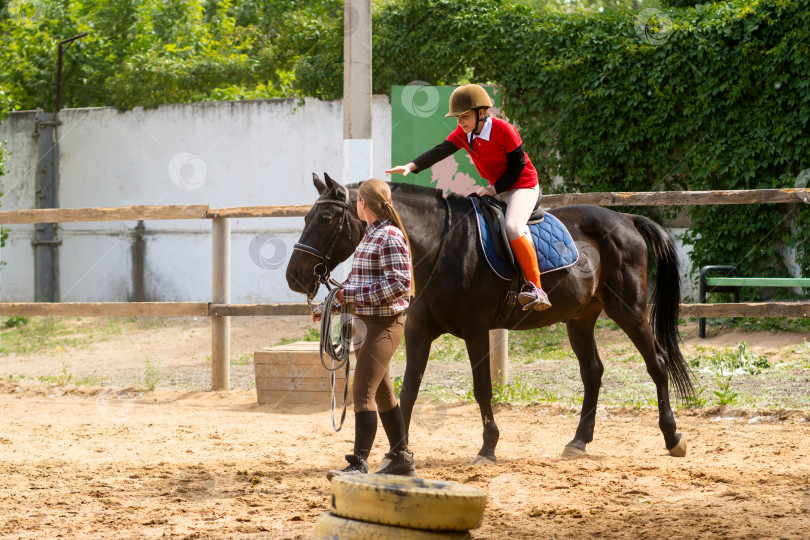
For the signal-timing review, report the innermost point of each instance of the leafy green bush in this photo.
(714, 97)
(15, 321)
(733, 359)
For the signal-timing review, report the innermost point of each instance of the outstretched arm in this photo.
(426, 160)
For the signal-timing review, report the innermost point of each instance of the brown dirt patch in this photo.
(113, 461)
(217, 465)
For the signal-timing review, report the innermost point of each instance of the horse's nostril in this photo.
(296, 281)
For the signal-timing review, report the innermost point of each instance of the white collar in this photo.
(485, 131)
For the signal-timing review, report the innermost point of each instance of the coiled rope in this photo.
(336, 349)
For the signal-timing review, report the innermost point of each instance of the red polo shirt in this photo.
(489, 150)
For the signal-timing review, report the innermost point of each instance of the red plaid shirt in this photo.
(380, 280)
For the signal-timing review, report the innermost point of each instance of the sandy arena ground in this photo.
(96, 462)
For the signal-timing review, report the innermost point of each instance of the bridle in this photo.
(321, 269)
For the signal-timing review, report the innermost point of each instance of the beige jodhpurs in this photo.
(519, 206)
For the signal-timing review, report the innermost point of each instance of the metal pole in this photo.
(499, 356)
(46, 239)
(357, 142)
(221, 293)
(63, 46)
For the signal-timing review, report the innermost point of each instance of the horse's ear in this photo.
(319, 185)
(329, 182)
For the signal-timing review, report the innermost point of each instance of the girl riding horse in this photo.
(497, 151)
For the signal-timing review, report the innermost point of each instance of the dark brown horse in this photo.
(458, 294)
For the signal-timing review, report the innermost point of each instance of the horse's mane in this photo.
(413, 189)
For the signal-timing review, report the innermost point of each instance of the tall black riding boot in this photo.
(365, 429)
(400, 459)
(394, 426)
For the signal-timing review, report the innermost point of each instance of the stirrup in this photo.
(534, 298)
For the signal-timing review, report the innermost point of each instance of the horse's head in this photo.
(332, 231)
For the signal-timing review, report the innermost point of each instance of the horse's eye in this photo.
(324, 219)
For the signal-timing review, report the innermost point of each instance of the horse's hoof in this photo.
(679, 450)
(484, 460)
(572, 452)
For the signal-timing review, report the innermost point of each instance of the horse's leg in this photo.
(478, 350)
(418, 338)
(580, 335)
(634, 323)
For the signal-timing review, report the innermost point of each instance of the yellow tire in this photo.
(402, 501)
(331, 527)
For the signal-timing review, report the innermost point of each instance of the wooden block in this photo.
(317, 399)
(307, 384)
(300, 353)
(296, 371)
(292, 374)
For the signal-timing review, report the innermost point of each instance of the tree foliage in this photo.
(716, 97)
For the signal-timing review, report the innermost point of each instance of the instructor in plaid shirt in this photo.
(380, 280)
(378, 287)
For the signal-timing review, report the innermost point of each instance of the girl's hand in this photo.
(339, 296)
(485, 191)
(404, 170)
(317, 312)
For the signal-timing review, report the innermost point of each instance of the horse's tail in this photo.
(666, 300)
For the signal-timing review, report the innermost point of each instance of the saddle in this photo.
(493, 211)
(555, 246)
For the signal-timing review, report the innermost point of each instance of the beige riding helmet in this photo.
(466, 98)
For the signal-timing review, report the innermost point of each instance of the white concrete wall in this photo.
(17, 186)
(244, 153)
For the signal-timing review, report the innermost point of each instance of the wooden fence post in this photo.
(499, 356)
(221, 289)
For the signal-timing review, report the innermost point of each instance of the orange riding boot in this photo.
(533, 297)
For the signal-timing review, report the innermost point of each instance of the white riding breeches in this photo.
(519, 206)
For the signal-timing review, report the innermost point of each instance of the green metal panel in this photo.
(757, 282)
(418, 124)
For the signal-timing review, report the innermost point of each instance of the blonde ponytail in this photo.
(377, 195)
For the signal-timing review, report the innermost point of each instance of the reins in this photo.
(337, 350)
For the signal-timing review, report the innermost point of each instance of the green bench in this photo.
(732, 283)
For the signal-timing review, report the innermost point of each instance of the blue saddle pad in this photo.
(555, 247)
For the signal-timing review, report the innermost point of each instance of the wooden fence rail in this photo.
(220, 310)
(651, 198)
(204, 309)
